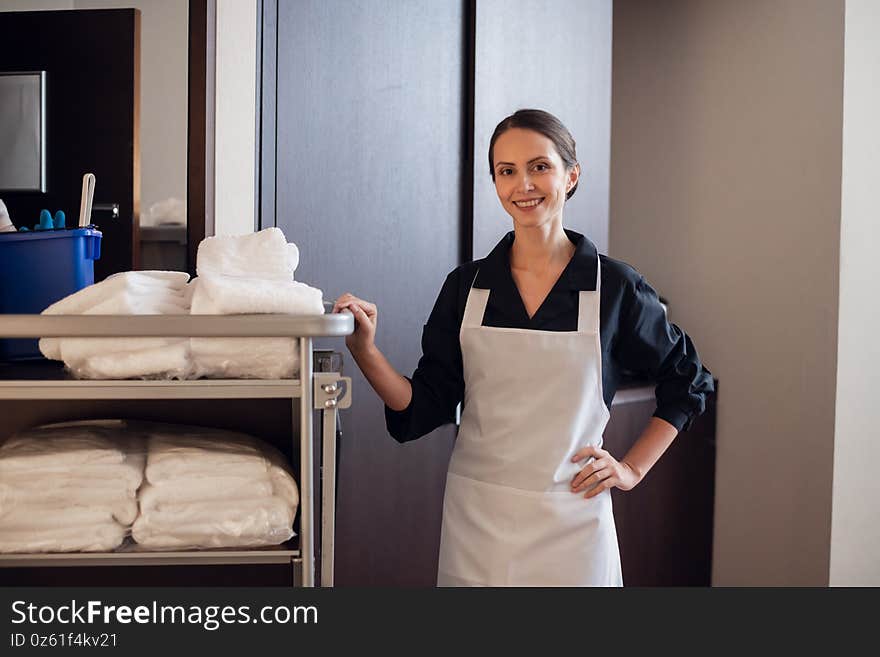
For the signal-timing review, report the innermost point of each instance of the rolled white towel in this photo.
(263, 254)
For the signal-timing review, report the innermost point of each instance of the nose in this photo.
(525, 183)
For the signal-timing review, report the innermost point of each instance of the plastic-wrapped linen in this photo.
(69, 487)
(208, 488)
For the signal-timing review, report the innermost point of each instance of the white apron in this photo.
(532, 399)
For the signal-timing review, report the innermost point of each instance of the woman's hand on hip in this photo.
(365, 317)
(602, 473)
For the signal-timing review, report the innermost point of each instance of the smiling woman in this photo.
(528, 492)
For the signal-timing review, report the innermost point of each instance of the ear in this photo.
(573, 175)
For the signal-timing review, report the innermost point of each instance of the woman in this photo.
(533, 339)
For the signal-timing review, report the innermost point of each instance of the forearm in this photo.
(394, 389)
(649, 447)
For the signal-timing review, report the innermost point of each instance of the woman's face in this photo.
(530, 177)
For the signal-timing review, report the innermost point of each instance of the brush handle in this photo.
(85, 204)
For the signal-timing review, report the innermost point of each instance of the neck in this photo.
(537, 248)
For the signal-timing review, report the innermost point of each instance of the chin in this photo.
(529, 221)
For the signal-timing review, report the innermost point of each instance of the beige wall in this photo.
(235, 117)
(855, 526)
(725, 193)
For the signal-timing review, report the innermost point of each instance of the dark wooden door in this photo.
(367, 182)
(91, 59)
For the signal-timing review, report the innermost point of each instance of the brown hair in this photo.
(544, 123)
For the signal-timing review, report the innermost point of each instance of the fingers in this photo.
(588, 451)
(359, 315)
(346, 301)
(602, 487)
(591, 474)
(342, 302)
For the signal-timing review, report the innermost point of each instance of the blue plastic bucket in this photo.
(39, 268)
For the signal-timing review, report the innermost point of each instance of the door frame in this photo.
(202, 66)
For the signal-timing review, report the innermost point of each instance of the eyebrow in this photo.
(534, 159)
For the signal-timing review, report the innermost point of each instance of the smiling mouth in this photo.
(531, 203)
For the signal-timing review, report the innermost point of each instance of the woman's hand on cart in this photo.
(365, 315)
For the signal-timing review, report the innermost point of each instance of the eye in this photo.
(541, 167)
(506, 171)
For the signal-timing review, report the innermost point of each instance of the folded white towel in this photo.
(284, 485)
(121, 503)
(203, 453)
(74, 350)
(263, 254)
(227, 295)
(250, 514)
(21, 518)
(138, 282)
(52, 457)
(103, 481)
(293, 256)
(244, 358)
(122, 358)
(171, 361)
(131, 292)
(238, 358)
(210, 488)
(219, 524)
(33, 449)
(200, 489)
(101, 537)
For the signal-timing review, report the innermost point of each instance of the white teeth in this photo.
(528, 204)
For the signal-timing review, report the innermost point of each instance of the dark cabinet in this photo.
(664, 525)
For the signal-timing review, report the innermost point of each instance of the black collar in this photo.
(579, 274)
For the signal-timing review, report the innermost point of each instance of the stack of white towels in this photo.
(246, 274)
(69, 487)
(125, 293)
(249, 274)
(210, 488)
(86, 486)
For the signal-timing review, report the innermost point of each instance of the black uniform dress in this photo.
(634, 332)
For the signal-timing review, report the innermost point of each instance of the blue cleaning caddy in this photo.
(39, 268)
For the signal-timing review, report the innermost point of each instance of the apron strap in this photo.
(475, 307)
(588, 305)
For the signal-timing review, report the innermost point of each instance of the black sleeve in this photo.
(651, 346)
(438, 382)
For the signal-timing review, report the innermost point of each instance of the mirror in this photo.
(23, 131)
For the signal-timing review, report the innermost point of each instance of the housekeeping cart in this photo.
(39, 392)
